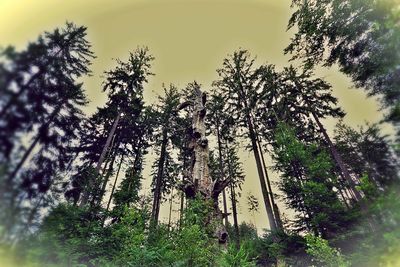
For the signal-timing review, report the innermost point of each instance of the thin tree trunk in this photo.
(340, 190)
(106, 180)
(160, 172)
(34, 143)
(106, 176)
(221, 169)
(93, 188)
(271, 194)
(338, 159)
(305, 209)
(108, 142)
(182, 193)
(170, 208)
(235, 218)
(33, 212)
(260, 171)
(85, 197)
(114, 185)
(234, 207)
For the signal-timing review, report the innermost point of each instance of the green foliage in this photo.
(236, 258)
(323, 253)
(70, 235)
(308, 180)
(366, 151)
(361, 36)
(367, 187)
(379, 247)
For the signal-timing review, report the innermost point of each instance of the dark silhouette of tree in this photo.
(362, 37)
(119, 120)
(366, 151)
(239, 83)
(42, 108)
(165, 169)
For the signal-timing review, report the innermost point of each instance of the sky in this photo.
(189, 39)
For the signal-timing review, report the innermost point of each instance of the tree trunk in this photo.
(307, 214)
(160, 172)
(106, 180)
(113, 188)
(221, 169)
(170, 208)
(234, 207)
(183, 180)
(33, 212)
(106, 176)
(338, 159)
(85, 197)
(200, 182)
(34, 143)
(260, 171)
(108, 142)
(235, 218)
(275, 208)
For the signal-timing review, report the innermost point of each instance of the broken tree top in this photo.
(200, 180)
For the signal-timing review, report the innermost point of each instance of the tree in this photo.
(221, 124)
(253, 206)
(46, 111)
(165, 171)
(238, 85)
(119, 119)
(236, 176)
(200, 183)
(367, 151)
(301, 101)
(37, 79)
(362, 37)
(308, 183)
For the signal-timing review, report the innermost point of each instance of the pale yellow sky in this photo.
(189, 40)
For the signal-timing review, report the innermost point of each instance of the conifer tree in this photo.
(362, 37)
(42, 107)
(165, 171)
(120, 121)
(308, 183)
(239, 84)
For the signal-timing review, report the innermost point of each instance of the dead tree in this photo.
(198, 181)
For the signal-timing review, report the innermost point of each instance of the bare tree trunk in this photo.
(108, 142)
(105, 181)
(34, 143)
(275, 208)
(113, 188)
(235, 218)
(85, 197)
(234, 207)
(201, 182)
(221, 169)
(338, 159)
(182, 206)
(160, 172)
(260, 171)
(170, 208)
(115, 182)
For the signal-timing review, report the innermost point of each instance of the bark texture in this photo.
(199, 181)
